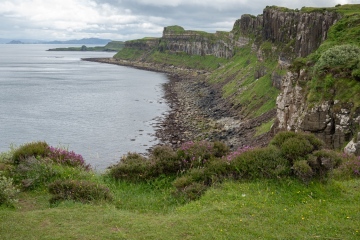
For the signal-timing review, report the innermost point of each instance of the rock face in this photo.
(333, 122)
(197, 43)
(143, 44)
(304, 32)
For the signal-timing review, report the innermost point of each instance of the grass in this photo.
(266, 209)
(129, 54)
(233, 207)
(187, 61)
(264, 128)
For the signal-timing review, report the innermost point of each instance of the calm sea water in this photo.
(100, 111)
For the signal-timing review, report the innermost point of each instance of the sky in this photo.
(128, 19)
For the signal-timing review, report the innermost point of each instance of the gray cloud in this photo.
(128, 19)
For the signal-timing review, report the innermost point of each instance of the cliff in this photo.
(301, 32)
(264, 70)
(176, 39)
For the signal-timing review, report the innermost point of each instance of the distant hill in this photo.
(15, 42)
(82, 41)
(97, 41)
(113, 46)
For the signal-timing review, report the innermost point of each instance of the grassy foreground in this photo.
(261, 209)
(277, 192)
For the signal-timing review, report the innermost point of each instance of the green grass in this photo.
(187, 61)
(264, 128)
(277, 209)
(231, 208)
(129, 54)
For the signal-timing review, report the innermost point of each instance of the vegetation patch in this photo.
(264, 128)
(83, 191)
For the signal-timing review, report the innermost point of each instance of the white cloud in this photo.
(125, 19)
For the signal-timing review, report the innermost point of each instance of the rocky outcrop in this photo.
(143, 44)
(197, 43)
(332, 121)
(303, 32)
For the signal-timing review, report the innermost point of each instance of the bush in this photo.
(7, 157)
(341, 58)
(260, 163)
(82, 191)
(220, 149)
(7, 191)
(237, 152)
(356, 74)
(196, 154)
(303, 171)
(164, 161)
(349, 168)
(324, 161)
(34, 149)
(281, 137)
(192, 191)
(296, 148)
(132, 167)
(68, 158)
(296, 145)
(32, 173)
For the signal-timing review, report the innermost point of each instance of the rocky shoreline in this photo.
(197, 112)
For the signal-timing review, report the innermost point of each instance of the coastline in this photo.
(197, 111)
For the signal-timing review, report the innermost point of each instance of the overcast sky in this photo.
(128, 19)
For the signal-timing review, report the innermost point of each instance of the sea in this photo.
(98, 110)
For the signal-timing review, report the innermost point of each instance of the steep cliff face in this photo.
(302, 32)
(143, 44)
(332, 121)
(196, 43)
(295, 34)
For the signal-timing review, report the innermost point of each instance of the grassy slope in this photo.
(345, 31)
(239, 85)
(264, 209)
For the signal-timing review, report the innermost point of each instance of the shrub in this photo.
(260, 163)
(238, 152)
(302, 170)
(281, 137)
(356, 74)
(32, 173)
(220, 149)
(192, 191)
(196, 154)
(7, 157)
(132, 167)
(34, 149)
(82, 191)
(295, 148)
(65, 157)
(7, 191)
(338, 59)
(296, 145)
(323, 161)
(164, 161)
(349, 168)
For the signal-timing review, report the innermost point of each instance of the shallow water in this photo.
(100, 111)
